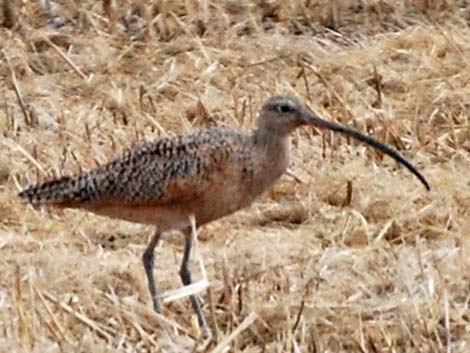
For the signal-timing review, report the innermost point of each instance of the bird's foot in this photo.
(156, 305)
(206, 333)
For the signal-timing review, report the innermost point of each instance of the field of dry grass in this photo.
(304, 269)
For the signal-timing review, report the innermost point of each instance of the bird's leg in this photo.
(185, 274)
(148, 259)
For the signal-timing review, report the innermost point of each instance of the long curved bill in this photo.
(311, 119)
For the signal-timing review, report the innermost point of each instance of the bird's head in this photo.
(280, 115)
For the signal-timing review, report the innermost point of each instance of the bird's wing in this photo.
(167, 171)
(174, 170)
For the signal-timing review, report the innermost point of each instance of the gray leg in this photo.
(185, 274)
(148, 259)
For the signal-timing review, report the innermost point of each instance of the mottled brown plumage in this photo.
(210, 174)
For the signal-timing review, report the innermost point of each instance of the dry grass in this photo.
(386, 272)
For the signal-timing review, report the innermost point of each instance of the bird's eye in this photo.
(284, 108)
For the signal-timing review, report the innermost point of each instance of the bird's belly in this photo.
(224, 200)
(166, 217)
(217, 208)
(177, 216)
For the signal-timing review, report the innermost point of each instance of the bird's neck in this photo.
(273, 150)
(269, 137)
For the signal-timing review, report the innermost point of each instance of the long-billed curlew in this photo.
(208, 175)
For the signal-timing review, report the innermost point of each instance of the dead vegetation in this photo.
(346, 254)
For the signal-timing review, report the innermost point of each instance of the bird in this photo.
(206, 175)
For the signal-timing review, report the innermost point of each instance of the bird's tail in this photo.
(62, 192)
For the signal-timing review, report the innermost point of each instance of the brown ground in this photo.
(387, 272)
